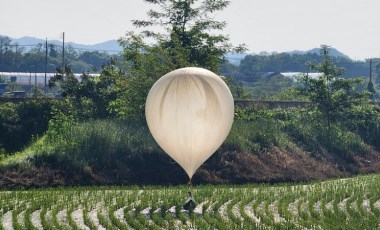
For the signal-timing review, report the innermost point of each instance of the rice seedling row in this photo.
(352, 203)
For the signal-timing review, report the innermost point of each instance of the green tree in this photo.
(275, 87)
(5, 43)
(94, 58)
(9, 125)
(333, 96)
(91, 95)
(189, 39)
(142, 69)
(19, 122)
(65, 79)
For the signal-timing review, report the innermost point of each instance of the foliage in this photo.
(142, 70)
(9, 125)
(112, 148)
(91, 95)
(238, 90)
(105, 151)
(67, 82)
(274, 87)
(303, 128)
(334, 97)
(189, 25)
(19, 123)
(188, 42)
(228, 69)
(132, 93)
(98, 143)
(37, 92)
(60, 126)
(365, 121)
(253, 65)
(257, 136)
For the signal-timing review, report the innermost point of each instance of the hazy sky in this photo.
(351, 26)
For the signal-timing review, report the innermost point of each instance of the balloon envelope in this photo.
(189, 112)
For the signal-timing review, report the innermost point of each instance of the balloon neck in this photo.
(190, 183)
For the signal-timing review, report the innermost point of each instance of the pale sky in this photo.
(351, 26)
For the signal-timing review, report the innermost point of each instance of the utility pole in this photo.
(370, 70)
(63, 51)
(370, 86)
(46, 58)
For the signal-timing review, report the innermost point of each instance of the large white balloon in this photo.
(190, 112)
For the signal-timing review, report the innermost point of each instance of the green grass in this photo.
(98, 144)
(225, 206)
(101, 143)
(23, 157)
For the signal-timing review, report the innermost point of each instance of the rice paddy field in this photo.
(352, 203)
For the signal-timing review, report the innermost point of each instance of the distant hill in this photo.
(236, 58)
(334, 52)
(110, 46)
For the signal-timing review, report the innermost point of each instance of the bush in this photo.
(364, 120)
(307, 131)
(255, 131)
(117, 149)
(100, 143)
(253, 136)
(20, 122)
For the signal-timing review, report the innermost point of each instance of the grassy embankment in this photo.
(263, 146)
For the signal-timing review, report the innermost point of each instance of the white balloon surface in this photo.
(189, 112)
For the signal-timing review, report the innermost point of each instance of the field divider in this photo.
(143, 216)
(7, 221)
(223, 210)
(104, 220)
(87, 220)
(249, 213)
(304, 217)
(60, 219)
(35, 219)
(273, 208)
(77, 217)
(377, 205)
(93, 217)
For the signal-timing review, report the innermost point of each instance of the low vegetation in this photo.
(352, 203)
(263, 146)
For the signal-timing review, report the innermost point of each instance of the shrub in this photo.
(98, 143)
(364, 120)
(255, 131)
(306, 130)
(20, 122)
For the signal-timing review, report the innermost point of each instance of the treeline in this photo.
(252, 67)
(15, 58)
(259, 76)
